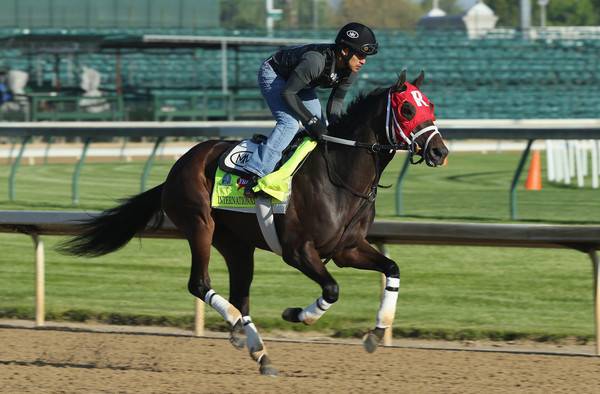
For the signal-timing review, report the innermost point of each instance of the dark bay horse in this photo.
(329, 212)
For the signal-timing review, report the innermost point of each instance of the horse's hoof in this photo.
(237, 336)
(370, 342)
(266, 368)
(291, 315)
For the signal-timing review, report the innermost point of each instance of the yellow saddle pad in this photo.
(228, 192)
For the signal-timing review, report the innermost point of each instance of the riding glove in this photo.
(315, 128)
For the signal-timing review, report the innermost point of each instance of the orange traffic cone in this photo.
(534, 177)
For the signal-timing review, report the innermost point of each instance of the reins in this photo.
(363, 145)
(335, 179)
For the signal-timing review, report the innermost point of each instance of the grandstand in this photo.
(549, 73)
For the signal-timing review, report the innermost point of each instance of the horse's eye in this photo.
(408, 111)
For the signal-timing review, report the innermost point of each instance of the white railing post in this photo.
(595, 163)
(40, 311)
(558, 161)
(579, 163)
(596, 270)
(199, 317)
(550, 161)
(571, 153)
(566, 167)
(584, 154)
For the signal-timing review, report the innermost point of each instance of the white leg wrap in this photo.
(387, 309)
(221, 305)
(256, 347)
(313, 312)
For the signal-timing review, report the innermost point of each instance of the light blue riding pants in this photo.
(264, 159)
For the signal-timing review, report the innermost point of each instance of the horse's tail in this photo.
(113, 228)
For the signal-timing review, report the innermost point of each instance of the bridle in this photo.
(393, 128)
(409, 144)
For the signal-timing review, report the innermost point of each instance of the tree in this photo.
(390, 14)
(305, 14)
(558, 12)
(449, 6)
(251, 14)
(571, 13)
(507, 11)
(243, 14)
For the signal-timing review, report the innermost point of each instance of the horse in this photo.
(329, 212)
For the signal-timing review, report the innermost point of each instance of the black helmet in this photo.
(357, 37)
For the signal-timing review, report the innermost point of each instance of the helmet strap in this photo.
(346, 58)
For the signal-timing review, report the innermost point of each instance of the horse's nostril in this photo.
(438, 154)
(441, 152)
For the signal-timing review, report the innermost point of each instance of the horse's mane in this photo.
(356, 112)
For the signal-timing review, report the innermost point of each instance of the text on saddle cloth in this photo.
(228, 191)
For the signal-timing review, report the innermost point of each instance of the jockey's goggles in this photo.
(369, 49)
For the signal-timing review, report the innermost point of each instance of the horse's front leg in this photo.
(364, 256)
(306, 259)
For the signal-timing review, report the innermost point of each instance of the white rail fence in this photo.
(583, 238)
(573, 159)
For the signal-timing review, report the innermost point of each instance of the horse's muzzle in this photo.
(436, 155)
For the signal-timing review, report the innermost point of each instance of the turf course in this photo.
(446, 292)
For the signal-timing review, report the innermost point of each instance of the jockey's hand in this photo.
(315, 128)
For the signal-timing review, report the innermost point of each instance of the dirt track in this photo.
(49, 361)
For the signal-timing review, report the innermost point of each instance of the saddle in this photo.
(231, 179)
(235, 158)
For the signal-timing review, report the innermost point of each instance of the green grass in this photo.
(446, 292)
(475, 187)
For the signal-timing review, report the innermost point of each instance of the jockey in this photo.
(288, 81)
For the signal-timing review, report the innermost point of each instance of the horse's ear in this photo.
(400, 82)
(417, 82)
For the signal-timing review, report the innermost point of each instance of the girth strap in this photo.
(265, 216)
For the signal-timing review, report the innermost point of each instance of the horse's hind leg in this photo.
(240, 263)
(198, 228)
(364, 256)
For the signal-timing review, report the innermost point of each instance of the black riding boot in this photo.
(248, 192)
